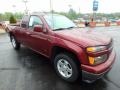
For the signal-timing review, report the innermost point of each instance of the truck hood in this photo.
(83, 37)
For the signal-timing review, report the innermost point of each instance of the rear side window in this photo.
(34, 20)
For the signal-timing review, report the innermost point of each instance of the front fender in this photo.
(72, 47)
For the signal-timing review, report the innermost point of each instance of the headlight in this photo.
(97, 60)
(96, 49)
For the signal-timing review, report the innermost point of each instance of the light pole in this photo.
(26, 9)
(70, 6)
(14, 8)
(51, 6)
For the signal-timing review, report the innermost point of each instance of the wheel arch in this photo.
(57, 49)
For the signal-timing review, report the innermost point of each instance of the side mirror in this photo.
(38, 28)
(23, 25)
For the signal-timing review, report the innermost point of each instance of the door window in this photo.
(34, 20)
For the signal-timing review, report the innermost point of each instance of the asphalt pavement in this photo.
(27, 70)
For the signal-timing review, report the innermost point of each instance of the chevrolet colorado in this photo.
(74, 53)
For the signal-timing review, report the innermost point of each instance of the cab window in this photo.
(34, 20)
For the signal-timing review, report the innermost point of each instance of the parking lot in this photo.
(27, 70)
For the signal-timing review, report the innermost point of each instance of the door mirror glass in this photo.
(23, 25)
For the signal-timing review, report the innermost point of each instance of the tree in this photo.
(1, 17)
(12, 19)
(18, 15)
(7, 15)
(72, 14)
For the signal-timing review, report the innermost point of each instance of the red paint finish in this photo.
(74, 40)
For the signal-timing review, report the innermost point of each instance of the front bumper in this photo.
(92, 73)
(91, 77)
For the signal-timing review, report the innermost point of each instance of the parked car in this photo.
(113, 20)
(74, 53)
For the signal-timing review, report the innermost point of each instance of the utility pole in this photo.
(26, 9)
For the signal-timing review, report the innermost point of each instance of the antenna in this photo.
(51, 11)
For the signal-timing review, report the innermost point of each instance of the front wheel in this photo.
(15, 44)
(66, 67)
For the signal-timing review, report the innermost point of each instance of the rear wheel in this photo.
(15, 44)
(66, 67)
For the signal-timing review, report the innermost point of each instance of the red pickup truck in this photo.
(75, 53)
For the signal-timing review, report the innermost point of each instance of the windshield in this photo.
(59, 22)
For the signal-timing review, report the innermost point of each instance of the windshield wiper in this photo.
(70, 27)
(59, 29)
(64, 28)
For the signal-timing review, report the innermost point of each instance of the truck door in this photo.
(38, 41)
(21, 32)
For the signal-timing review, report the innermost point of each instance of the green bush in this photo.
(12, 19)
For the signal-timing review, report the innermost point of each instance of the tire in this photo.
(66, 67)
(15, 44)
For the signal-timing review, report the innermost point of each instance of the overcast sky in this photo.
(85, 6)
